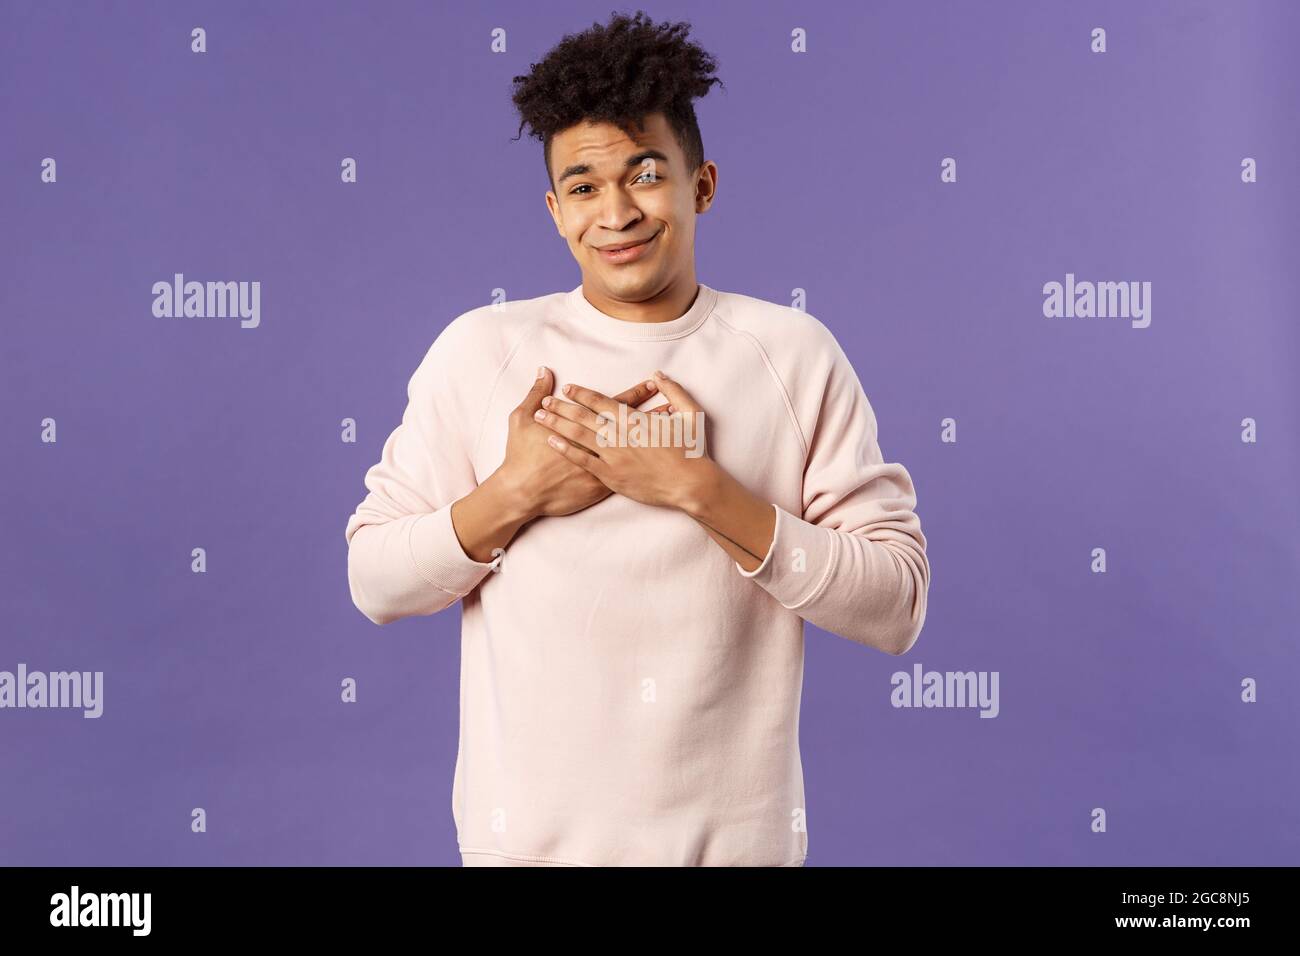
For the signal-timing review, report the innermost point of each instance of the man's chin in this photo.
(626, 286)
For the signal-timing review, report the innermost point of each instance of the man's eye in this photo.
(657, 178)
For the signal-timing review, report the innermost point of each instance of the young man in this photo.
(632, 599)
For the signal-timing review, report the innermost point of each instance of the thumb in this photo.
(542, 387)
(677, 396)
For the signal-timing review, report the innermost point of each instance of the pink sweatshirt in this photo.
(630, 695)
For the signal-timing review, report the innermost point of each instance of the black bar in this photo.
(371, 904)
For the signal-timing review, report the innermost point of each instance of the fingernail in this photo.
(541, 371)
(568, 389)
(555, 443)
(546, 402)
(659, 374)
(650, 386)
(539, 415)
(672, 408)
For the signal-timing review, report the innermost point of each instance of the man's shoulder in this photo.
(502, 318)
(487, 334)
(781, 330)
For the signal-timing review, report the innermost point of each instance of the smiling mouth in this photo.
(627, 253)
(629, 246)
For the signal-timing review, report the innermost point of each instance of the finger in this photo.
(665, 408)
(677, 396)
(575, 413)
(577, 434)
(587, 462)
(542, 387)
(637, 394)
(593, 399)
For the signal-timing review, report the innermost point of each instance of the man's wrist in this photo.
(700, 495)
(508, 497)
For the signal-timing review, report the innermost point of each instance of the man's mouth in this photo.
(626, 252)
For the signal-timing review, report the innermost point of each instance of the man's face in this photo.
(612, 190)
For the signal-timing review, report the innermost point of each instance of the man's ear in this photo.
(553, 207)
(706, 186)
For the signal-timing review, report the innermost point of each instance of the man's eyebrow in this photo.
(582, 169)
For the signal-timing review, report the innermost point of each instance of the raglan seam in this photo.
(532, 327)
(776, 377)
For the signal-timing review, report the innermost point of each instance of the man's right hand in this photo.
(530, 473)
(532, 482)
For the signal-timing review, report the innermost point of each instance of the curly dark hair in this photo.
(618, 73)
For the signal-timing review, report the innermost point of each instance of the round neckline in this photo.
(608, 325)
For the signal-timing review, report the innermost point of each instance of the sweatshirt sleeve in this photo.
(404, 558)
(854, 562)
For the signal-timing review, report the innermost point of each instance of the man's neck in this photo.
(672, 303)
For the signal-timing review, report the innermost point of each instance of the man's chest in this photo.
(744, 423)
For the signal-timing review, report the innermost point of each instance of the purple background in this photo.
(222, 689)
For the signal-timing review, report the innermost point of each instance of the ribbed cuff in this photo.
(438, 557)
(798, 564)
